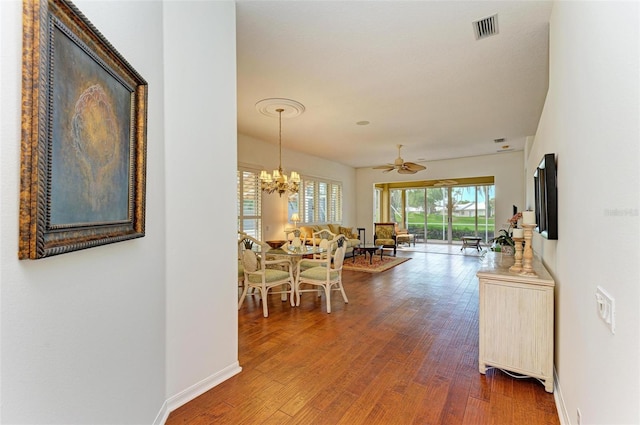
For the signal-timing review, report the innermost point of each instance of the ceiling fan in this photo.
(401, 166)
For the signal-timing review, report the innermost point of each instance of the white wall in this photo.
(507, 168)
(126, 332)
(263, 155)
(83, 333)
(200, 124)
(591, 122)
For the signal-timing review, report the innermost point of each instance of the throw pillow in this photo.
(335, 228)
(347, 232)
(306, 232)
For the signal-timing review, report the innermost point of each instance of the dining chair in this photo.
(260, 274)
(296, 237)
(241, 241)
(327, 273)
(321, 239)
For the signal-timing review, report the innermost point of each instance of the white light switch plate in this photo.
(606, 308)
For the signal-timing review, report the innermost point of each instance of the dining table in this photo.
(295, 254)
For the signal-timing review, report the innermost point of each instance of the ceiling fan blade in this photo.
(405, 171)
(382, 167)
(413, 166)
(387, 170)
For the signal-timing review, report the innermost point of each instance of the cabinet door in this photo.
(518, 326)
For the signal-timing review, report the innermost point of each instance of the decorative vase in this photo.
(508, 250)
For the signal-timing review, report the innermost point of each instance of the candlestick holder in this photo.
(517, 266)
(527, 257)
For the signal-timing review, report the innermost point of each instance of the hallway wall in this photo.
(591, 122)
(83, 333)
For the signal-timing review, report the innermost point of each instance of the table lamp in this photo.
(295, 218)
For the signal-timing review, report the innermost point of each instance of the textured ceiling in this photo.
(413, 69)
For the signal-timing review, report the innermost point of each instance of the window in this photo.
(440, 210)
(249, 202)
(377, 204)
(335, 203)
(319, 201)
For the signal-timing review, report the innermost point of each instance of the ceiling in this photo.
(414, 70)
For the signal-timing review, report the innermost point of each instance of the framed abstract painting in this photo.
(84, 129)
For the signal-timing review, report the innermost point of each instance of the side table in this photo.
(470, 242)
(367, 248)
(362, 235)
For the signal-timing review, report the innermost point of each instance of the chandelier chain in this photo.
(279, 182)
(280, 138)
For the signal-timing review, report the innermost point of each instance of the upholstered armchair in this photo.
(385, 235)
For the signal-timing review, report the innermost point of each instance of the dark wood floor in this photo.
(403, 351)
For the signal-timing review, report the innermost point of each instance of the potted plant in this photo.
(504, 241)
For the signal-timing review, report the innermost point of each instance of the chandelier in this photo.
(278, 181)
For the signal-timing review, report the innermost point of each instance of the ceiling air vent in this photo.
(501, 140)
(486, 27)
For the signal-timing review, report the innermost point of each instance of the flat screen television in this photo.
(546, 197)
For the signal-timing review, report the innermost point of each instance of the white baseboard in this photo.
(199, 388)
(162, 415)
(563, 415)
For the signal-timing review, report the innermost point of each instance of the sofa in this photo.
(337, 229)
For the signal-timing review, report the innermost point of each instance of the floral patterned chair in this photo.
(385, 235)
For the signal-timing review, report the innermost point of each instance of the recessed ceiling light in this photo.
(363, 123)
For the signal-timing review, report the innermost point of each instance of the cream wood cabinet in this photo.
(516, 319)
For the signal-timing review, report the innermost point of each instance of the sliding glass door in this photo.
(437, 226)
(486, 224)
(415, 212)
(444, 213)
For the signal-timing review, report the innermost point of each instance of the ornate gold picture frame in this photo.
(84, 125)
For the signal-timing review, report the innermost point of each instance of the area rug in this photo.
(361, 264)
